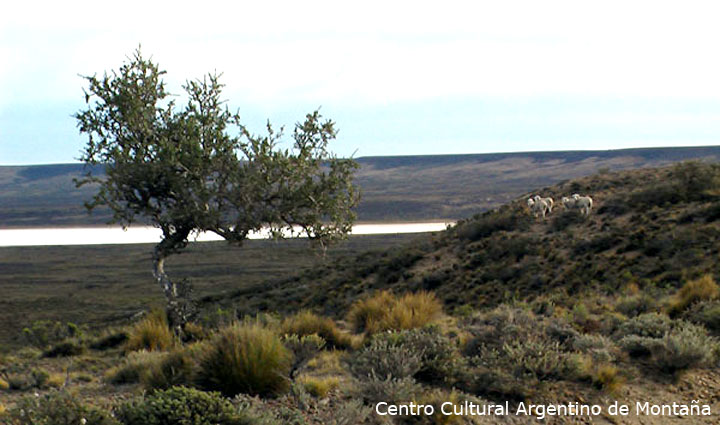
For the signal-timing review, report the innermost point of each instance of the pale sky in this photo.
(399, 77)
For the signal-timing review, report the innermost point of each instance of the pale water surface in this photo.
(116, 235)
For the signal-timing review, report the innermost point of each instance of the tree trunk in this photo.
(176, 309)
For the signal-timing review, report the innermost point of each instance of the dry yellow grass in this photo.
(384, 311)
(693, 291)
(151, 333)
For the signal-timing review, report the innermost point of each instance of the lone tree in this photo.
(196, 168)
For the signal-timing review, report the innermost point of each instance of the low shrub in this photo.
(179, 405)
(705, 313)
(638, 346)
(245, 359)
(684, 348)
(702, 289)
(151, 333)
(66, 348)
(383, 312)
(109, 340)
(440, 361)
(634, 305)
(374, 389)
(598, 347)
(57, 408)
(304, 348)
(542, 359)
(42, 333)
(652, 325)
(385, 358)
(308, 323)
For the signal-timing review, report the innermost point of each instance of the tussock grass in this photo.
(384, 311)
(702, 289)
(151, 333)
(307, 323)
(319, 387)
(245, 359)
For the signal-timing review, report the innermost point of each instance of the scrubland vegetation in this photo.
(623, 304)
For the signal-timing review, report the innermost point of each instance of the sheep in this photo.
(583, 203)
(550, 203)
(538, 206)
(568, 203)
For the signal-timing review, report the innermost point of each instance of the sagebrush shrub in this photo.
(385, 358)
(686, 347)
(374, 389)
(245, 359)
(652, 325)
(706, 313)
(57, 408)
(179, 405)
(440, 360)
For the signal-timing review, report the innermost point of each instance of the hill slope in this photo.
(394, 188)
(652, 228)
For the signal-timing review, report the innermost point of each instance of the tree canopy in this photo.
(197, 168)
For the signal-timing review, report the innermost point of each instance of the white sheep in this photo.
(568, 203)
(583, 203)
(539, 207)
(550, 203)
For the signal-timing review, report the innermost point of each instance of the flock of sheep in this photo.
(541, 206)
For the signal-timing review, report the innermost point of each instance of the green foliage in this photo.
(42, 333)
(179, 405)
(66, 348)
(151, 333)
(57, 408)
(245, 359)
(198, 168)
(307, 323)
(304, 348)
(384, 311)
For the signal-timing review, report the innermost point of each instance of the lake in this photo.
(142, 234)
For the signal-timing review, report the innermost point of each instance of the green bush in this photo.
(245, 359)
(179, 405)
(66, 348)
(42, 333)
(304, 349)
(307, 323)
(56, 408)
